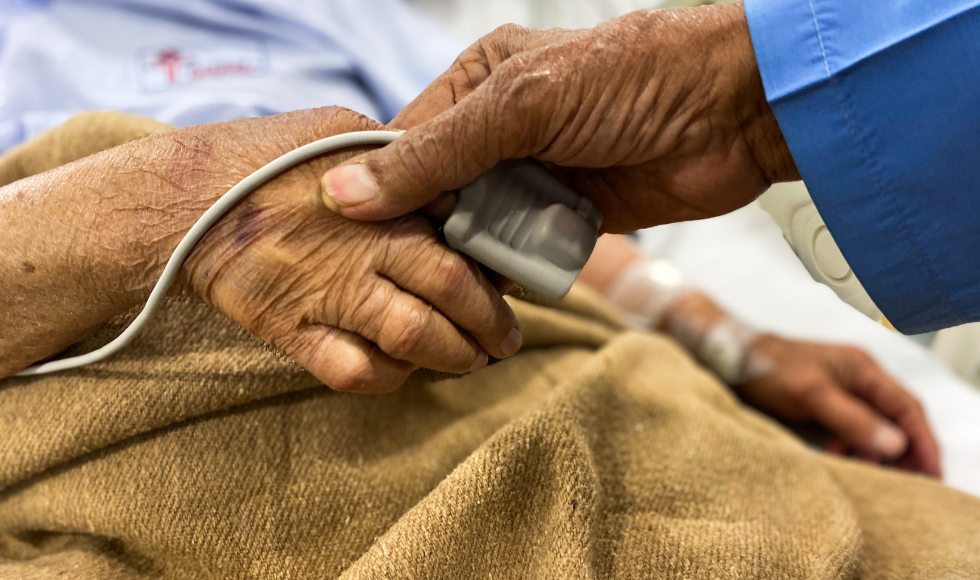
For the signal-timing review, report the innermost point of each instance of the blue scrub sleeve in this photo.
(879, 101)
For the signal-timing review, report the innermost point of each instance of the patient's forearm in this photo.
(85, 242)
(89, 240)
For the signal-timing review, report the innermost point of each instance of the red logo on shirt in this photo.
(166, 67)
(170, 60)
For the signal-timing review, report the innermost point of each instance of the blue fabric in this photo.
(879, 101)
(187, 62)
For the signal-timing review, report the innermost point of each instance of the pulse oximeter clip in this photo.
(520, 221)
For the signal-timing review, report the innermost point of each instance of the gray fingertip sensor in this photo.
(522, 222)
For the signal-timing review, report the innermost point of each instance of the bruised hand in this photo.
(360, 305)
(657, 116)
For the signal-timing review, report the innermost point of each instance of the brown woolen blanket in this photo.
(593, 453)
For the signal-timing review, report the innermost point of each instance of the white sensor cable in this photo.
(198, 231)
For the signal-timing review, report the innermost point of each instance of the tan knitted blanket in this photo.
(593, 453)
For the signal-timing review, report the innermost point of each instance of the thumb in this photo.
(442, 154)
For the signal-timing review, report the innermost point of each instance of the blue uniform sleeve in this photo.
(879, 101)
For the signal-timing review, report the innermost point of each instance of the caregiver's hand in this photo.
(359, 305)
(657, 116)
(843, 389)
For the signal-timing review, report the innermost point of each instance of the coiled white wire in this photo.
(200, 228)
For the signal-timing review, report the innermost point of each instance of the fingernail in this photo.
(890, 441)
(348, 185)
(511, 344)
(481, 361)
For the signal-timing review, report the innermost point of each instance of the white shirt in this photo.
(200, 61)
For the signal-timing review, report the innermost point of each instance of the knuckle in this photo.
(487, 54)
(454, 274)
(358, 375)
(813, 391)
(505, 34)
(525, 87)
(858, 354)
(344, 119)
(408, 337)
(367, 307)
(469, 71)
(350, 380)
(915, 405)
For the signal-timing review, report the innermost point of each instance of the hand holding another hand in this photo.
(657, 116)
(360, 305)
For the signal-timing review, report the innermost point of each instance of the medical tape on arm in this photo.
(646, 292)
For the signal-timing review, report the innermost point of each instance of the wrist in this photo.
(647, 291)
(719, 341)
(135, 215)
(765, 140)
(689, 318)
(760, 129)
(53, 289)
(83, 243)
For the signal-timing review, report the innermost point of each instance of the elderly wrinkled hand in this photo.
(360, 305)
(657, 116)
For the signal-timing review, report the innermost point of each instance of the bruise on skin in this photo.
(28, 268)
(250, 223)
